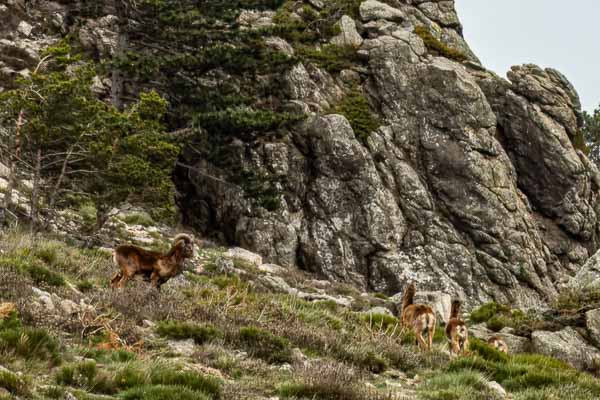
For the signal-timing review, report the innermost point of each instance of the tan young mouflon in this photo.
(498, 343)
(456, 331)
(419, 318)
(157, 267)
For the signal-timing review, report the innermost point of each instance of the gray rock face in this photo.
(470, 186)
(372, 9)
(592, 324)
(588, 276)
(566, 345)
(349, 35)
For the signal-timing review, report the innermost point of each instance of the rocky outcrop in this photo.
(515, 343)
(566, 345)
(471, 185)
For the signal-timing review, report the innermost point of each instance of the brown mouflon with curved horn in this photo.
(418, 317)
(159, 268)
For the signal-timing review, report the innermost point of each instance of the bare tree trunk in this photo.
(102, 215)
(35, 192)
(117, 78)
(59, 181)
(15, 155)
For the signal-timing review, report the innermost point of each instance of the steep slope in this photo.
(411, 161)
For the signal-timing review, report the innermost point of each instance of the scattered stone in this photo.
(380, 310)
(318, 4)
(4, 394)
(271, 269)
(372, 10)
(298, 357)
(69, 307)
(349, 77)
(592, 323)
(566, 345)
(148, 324)
(276, 283)
(348, 36)
(286, 368)
(224, 265)
(238, 253)
(496, 388)
(70, 396)
(279, 44)
(45, 298)
(184, 348)
(24, 28)
(252, 19)
(342, 301)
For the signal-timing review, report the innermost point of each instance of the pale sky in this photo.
(551, 33)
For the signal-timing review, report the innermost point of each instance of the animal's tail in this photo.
(409, 295)
(455, 310)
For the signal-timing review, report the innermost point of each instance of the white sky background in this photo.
(551, 33)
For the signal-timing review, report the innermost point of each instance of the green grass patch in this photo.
(381, 321)
(355, 107)
(13, 383)
(485, 312)
(138, 218)
(40, 274)
(330, 57)
(486, 351)
(183, 330)
(29, 343)
(265, 345)
(464, 385)
(434, 45)
(162, 392)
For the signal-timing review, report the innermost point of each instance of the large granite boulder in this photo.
(566, 345)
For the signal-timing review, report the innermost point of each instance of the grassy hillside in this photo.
(212, 335)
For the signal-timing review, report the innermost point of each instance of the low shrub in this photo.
(30, 343)
(381, 321)
(486, 351)
(464, 385)
(487, 311)
(182, 330)
(138, 218)
(13, 383)
(40, 275)
(188, 379)
(264, 345)
(434, 45)
(332, 58)
(161, 392)
(355, 107)
(326, 381)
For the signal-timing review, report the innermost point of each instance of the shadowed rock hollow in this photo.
(471, 184)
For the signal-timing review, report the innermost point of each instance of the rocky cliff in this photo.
(470, 184)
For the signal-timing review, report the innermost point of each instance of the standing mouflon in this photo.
(418, 317)
(456, 331)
